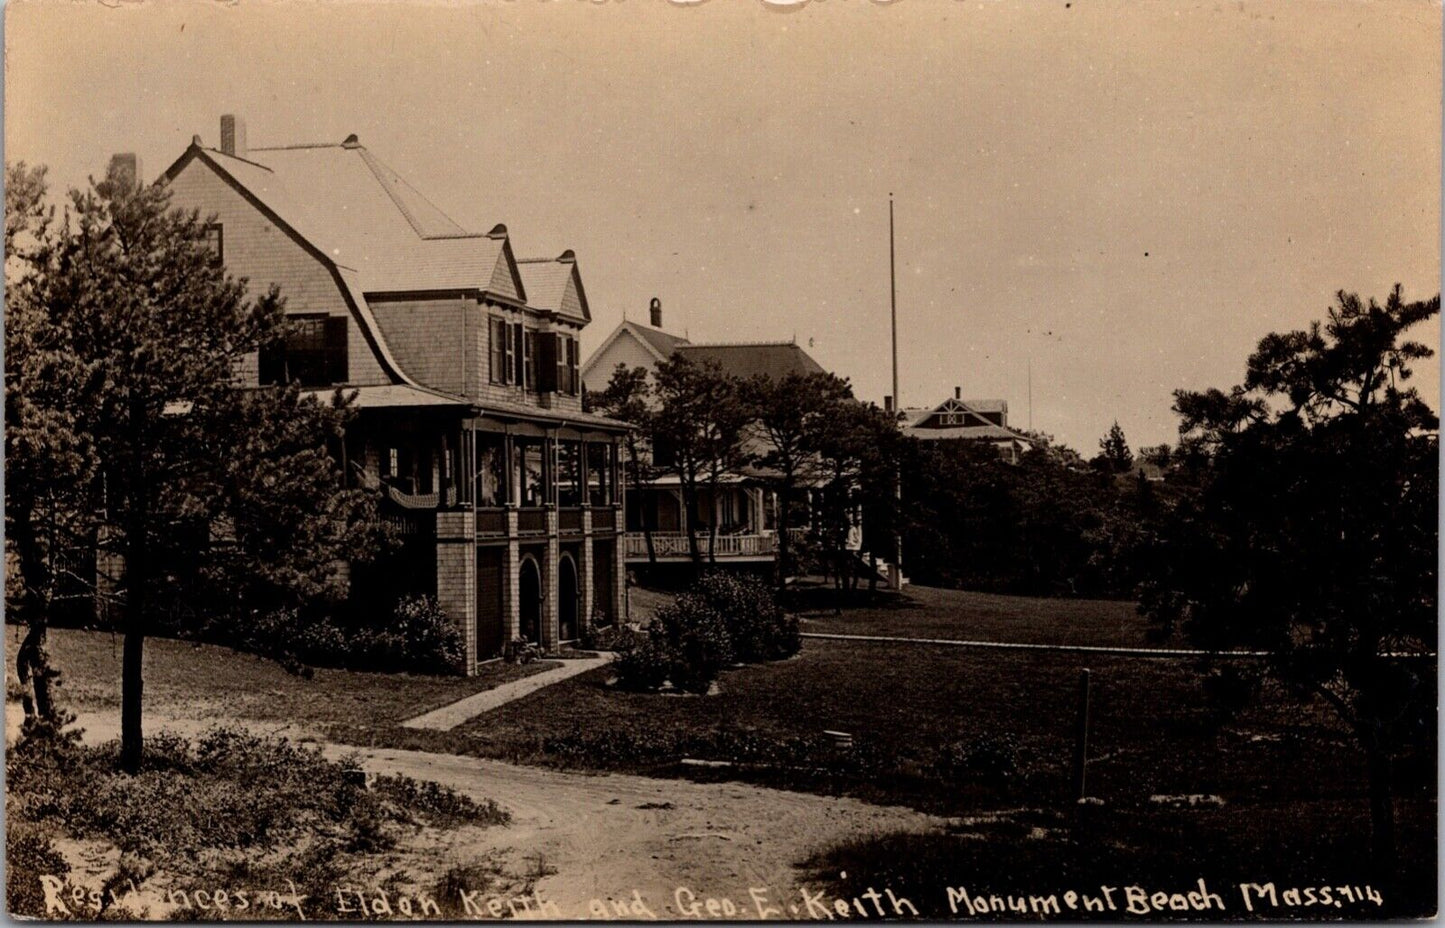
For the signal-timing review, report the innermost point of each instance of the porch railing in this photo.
(532, 521)
(674, 544)
(491, 522)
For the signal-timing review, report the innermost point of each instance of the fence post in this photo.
(1081, 736)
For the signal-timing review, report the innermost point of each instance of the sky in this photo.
(1096, 203)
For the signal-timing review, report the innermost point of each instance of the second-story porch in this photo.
(521, 478)
(744, 513)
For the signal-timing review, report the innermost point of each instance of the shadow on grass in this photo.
(1017, 866)
(807, 599)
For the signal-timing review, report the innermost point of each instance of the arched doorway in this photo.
(530, 593)
(567, 598)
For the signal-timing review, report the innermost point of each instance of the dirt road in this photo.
(610, 836)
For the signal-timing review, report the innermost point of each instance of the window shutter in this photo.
(572, 379)
(516, 352)
(529, 359)
(335, 334)
(499, 350)
(562, 386)
(546, 362)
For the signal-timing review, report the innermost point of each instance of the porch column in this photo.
(619, 571)
(457, 576)
(584, 567)
(684, 518)
(550, 633)
(512, 581)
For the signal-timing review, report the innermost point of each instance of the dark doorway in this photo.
(567, 598)
(531, 604)
(490, 627)
(602, 570)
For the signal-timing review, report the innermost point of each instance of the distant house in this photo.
(464, 362)
(744, 510)
(957, 419)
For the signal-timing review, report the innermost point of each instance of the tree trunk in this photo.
(32, 666)
(641, 505)
(784, 542)
(131, 738)
(32, 660)
(1382, 805)
(712, 521)
(138, 586)
(689, 506)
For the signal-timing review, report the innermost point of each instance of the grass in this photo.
(219, 811)
(1044, 852)
(191, 680)
(945, 729)
(956, 615)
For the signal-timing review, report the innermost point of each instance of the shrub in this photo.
(696, 635)
(1228, 691)
(417, 637)
(431, 642)
(759, 628)
(228, 790)
(608, 637)
(643, 663)
(990, 759)
(28, 856)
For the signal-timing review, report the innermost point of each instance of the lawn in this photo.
(187, 680)
(923, 612)
(952, 730)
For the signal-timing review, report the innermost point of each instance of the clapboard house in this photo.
(744, 509)
(464, 364)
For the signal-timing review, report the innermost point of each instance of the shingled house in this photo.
(464, 362)
(958, 419)
(744, 509)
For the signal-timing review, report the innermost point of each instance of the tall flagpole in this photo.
(893, 307)
(895, 572)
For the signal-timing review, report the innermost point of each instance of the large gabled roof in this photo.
(662, 342)
(365, 218)
(767, 359)
(916, 415)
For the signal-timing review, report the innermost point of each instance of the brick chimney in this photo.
(888, 404)
(233, 135)
(125, 169)
(655, 308)
(958, 393)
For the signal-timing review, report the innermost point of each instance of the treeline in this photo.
(1049, 525)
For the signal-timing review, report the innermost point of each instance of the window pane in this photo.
(530, 471)
(569, 484)
(599, 473)
(491, 470)
(499, 351)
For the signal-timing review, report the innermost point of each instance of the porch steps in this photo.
(884, 569)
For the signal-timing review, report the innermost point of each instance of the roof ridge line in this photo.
(375, 164)
(258, 164)
(741, 344)
(295, 147)
(438, 236)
